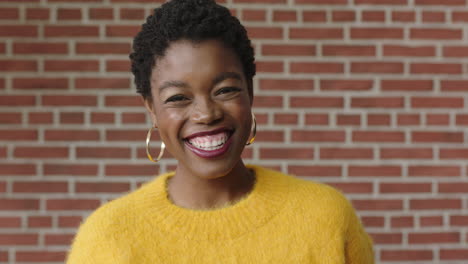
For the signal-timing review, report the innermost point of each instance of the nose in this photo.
(205, 111)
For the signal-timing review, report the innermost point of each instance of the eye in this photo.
(176, 98)
(226, 90)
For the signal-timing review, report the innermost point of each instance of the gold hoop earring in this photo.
(148, 139)
(253, 131)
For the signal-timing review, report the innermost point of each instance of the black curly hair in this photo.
(194, 20)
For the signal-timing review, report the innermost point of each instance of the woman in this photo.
(193, 64)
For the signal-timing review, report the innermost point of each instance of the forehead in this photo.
(195, 59)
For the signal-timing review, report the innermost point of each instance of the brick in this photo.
(69, 100)
(132, 13)
(102, 118)
(406, 254)
(261, 1)
(130, 170)
(454, 85)
(133, 118)
(461, 119)
(37, 13)
(453, 254)
(378, 119)
(254, 15)
(72, 204)
(381, 2)
(455, 51)
(286, 118)
(430, 221)
(71, 31)
(270, 66)
(71, 135)
(459, 220)
(318, 136)
(373, 221)
(129, 135)
(377, 102)
(315, 170)
(374, 171)
(386, 238)
(434, 170)
(124, 100)
(270, 136)
(76, 1)
(282, 16)
(317, 67)
(437, 119)
(316, 119)
(18, 66)
(346, 153)
(71, 118)
(102, 187)
(345, 85)
(406, 153)
(286, 84)
(435, 33)
(402, 221)
(268, 101)
(376, 33)
(373, 16)
(18, 239)
(435, 204)
(409, 51)
(41, 118)
(436, 68)
(40, 83)
(287, 153)
(58, 239)
(314, 16)
(348, 50)
(322, 2)
(18, 31)
(10, 118)
(437, 102)
(316, 102)
(403, 16)
(118, 66)
(405, 187)
(377, 67)
(68, 14)
(315, 33)
(39, 221)
(9, 13)
(17, 100)
(433, 17)
(40, 187)
(71, 65)
(288, 50)
(348, 119)
(101, 13)
(406, 85)
(352, 187)
(102, 83)
(459, 16)
(441, 2)
(453, 153)
(378, 205)
(343, 16)
(41, 256)
(103, 152)
(19, 204)
(41, 152)
(18, 135)
(453, 187)
(429, 136)
(122, 31)
(69, 221)
(10, 222)
(433, 238)
(102, 48)
(265, 32)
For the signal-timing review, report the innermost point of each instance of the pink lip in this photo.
(210, 153)
(204, 133)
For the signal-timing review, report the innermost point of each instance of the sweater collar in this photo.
(266, 199)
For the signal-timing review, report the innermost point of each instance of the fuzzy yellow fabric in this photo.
(283, 220)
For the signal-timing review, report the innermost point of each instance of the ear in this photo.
(148, 102)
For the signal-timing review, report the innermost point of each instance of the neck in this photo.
(194, 192)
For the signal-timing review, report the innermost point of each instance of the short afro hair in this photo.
(194, 20)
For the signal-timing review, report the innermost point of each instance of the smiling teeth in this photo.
(211, 142)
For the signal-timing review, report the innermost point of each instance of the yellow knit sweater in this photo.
(283, 220)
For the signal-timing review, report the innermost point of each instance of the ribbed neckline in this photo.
(266, 199)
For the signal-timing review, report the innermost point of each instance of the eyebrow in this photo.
(221, 77)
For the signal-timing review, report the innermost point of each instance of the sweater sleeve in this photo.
(358, 246)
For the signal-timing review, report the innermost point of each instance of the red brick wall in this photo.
(367, 95)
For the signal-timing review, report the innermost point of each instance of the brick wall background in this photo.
(370, 96)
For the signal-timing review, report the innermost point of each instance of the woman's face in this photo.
(201, 105)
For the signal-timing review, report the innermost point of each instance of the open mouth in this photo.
(210, 144)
